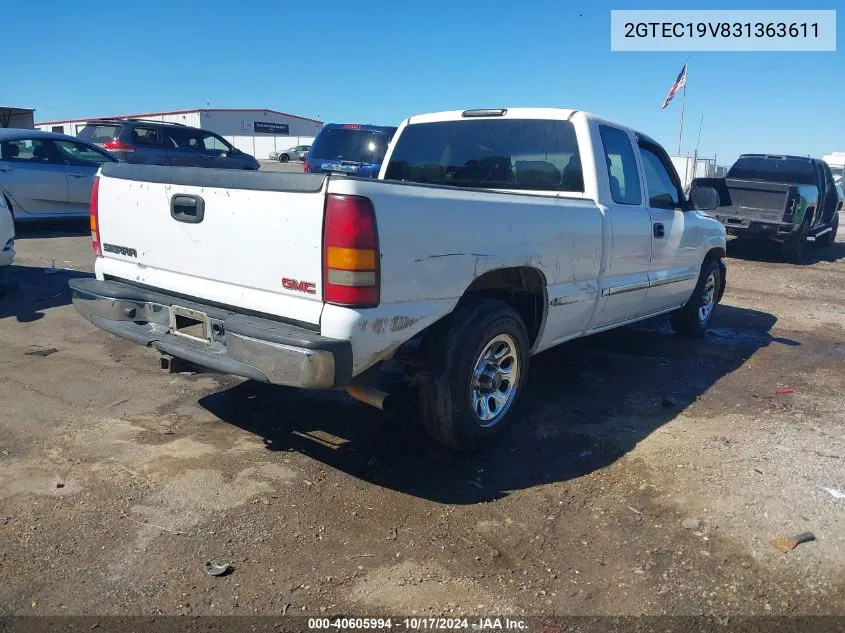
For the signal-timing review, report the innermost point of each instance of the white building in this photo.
(690, 167)
(16, 117)
(256, 132)
(836, 162)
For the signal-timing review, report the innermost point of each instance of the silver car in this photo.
(47, 175)
(293, 153)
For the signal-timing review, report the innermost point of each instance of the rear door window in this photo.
(185, 139)
(621, 166)
(664, 191)
(359, 146)
(529, 154)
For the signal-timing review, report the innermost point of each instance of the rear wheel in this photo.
(284, 158)
(794, 248)
(830, 237)
(477, 368)
(694, 318)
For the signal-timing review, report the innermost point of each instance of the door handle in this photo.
(659, 231)
(5, 169)
(77, 175)
(187, 209)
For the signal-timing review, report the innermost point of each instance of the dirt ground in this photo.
(646, 476)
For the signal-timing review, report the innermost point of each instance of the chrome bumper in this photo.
(252, 347)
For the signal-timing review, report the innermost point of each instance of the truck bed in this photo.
(743, 202)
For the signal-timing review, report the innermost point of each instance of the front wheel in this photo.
(830, 237)
(694, 318)
(284, 158)
(477, 368)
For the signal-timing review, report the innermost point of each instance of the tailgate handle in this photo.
(188, 209)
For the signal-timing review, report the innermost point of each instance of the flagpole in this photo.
(683, 103)
(697, 143)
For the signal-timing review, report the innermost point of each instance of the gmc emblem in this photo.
(307, 287)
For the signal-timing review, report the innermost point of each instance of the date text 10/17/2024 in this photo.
(418, 624)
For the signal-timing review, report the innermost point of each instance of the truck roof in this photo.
(559, 114)
(509, 113)
(779, 157)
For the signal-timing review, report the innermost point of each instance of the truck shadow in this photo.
(767, 251)
(590, 402)
(27, 291)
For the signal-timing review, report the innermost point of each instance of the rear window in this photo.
(99, 133)
(360, 146)
(531, 154)
(784, 170)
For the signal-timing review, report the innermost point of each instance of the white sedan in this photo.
(7, 236)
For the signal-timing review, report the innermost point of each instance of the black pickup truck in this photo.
(786, 199)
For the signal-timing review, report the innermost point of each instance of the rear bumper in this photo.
(243, 345)
(740, 223)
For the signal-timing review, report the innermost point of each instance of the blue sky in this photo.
(378, 62)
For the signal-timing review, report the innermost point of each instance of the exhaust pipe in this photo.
(371, 396)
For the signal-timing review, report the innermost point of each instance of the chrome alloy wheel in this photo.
(495, 380)
(708, 298)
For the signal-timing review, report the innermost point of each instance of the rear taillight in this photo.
(116, 145)
(350, 252)
(95, 217)
(306, 168)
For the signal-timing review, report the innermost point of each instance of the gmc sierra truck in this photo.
(489, 236)
(785, 199)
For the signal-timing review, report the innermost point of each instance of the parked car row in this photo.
(349, 266)
(47, 175)
(144, 142)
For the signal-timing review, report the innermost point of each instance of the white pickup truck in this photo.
(490, 236)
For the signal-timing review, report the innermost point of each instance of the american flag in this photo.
(680, 82)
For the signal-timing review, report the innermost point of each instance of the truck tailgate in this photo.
(757, 200)
(222, 236)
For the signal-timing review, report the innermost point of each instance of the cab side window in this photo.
(664, 191)
(621, 166)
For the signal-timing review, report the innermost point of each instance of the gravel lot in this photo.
(647, 474)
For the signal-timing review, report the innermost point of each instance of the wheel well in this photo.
(521, 287)
(811, 212)
(8, 204)
(715, 254)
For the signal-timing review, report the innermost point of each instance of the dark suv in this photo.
(159, 143)
(349, 148)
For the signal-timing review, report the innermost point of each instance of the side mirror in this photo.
(704, 198)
